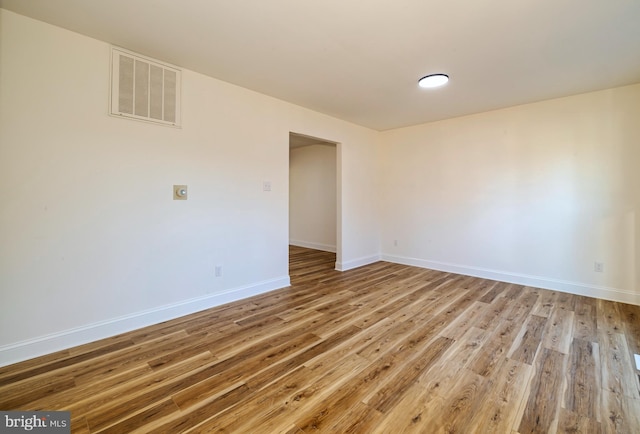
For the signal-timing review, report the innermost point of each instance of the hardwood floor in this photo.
(384, 348)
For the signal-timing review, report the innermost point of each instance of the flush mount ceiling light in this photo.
(433, 80)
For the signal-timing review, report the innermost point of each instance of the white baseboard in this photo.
(315, 246)
(28, 349)
(613, 294)
(355, 263)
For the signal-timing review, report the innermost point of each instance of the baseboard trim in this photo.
(355, 263)
(315, 246)
(42, 345)
(606, 293)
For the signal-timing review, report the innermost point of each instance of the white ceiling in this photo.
(360, 60)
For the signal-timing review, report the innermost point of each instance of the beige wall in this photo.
(91, 242)
(312, 197)
(532, 194)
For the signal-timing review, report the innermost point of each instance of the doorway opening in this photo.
(314, 194)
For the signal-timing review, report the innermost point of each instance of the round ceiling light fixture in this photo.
(433, 80)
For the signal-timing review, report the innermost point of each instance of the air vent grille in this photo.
(144, 89)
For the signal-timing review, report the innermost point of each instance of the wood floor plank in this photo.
(235, 372)
(125, 359)
(497, 346)
(496, 289)
(608, 316)
(383, 348)
(16, 368)
(281, 393)
(489, 318)
(140, 419)
(360, 418)
(421, 404)
(317, 406)
(458, 405)
(16, 400)
(390, 393)
(545, 303)
(141, 392)
(498, 412)
(513, 291)
(281, 368)
(519, 308)
(309, 386)
(565, 301)
(582, 396)
(510, 323)
(620, 414)
(459, 326)
(585, 325)
(526, 344)
(423, 318)
(543, 403)
(480, 286)
(82, 393)
(258, 335)
(571, 423)
(558, 332)
(206, 410)
(79, 426)
(464, 350)
(618, 376)
(65, 362)
(631, 324)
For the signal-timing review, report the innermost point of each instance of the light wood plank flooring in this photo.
(384, 348)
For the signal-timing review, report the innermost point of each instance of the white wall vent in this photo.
(144, 89)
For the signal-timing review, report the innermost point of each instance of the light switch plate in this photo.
(177, 192)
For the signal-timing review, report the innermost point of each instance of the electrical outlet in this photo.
(218, 270)
(598, 267)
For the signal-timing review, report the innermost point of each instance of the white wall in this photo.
(532, 194)
(91, 242)
(312, 197)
